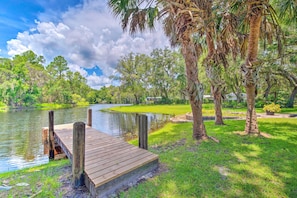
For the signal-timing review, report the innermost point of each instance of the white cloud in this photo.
(86, 35)
(98, 81)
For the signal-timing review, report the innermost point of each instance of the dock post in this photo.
(142, 132)
(51, 135)
(89, 123)
(78, 159)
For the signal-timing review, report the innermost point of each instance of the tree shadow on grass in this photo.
(239, 166)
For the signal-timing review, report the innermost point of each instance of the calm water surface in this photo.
(21, 138)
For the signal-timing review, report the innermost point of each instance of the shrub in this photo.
(272, 107)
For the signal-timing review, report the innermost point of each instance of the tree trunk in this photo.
(269, 86)
(290, 103)
(194, 87)
(136, 99)
(212, 68)
(251, 125)
(250, 67)
(217, 96)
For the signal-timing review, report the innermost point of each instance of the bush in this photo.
(234, 104)
(272, 107)
(259, 103)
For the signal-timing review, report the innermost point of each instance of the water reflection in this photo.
(21, 137)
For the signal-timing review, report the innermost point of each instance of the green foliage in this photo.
(272, 107)
(24, 82)
(161, 74)
(234, 104)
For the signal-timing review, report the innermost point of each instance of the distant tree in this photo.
(131, 74)
(57, 67)
(165, 73)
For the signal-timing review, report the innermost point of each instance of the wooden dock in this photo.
(110, 163)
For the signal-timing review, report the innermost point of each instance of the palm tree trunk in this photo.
(217, 96)
(249, 69)
(212, 66)
(195, 88)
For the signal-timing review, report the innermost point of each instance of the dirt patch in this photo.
(66, 190)
(164, 148)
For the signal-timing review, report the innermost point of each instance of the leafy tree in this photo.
(131, 74)
(256, 14)
(166, 75)
(181, 21)
(57, 67)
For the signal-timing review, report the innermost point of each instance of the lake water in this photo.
(21, 138)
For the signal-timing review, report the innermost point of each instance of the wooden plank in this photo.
(109, 161)
(121, 171)
(107, 152)
(119, 164)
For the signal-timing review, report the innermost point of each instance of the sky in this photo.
(84, 32)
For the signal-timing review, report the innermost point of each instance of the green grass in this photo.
(43, 180)
(238, 166)
(208, 110)
(164, 109)
(49, 106)
(249, 166)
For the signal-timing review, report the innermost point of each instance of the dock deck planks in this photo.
(110, 163)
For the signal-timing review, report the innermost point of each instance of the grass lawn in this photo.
(208, 109)
(238, 166)
(164, 109)
(41, 181)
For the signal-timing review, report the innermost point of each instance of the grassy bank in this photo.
(50, 106)
(238, 166)
(208, 109)
(40, 181)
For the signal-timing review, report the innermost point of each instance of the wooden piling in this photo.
(51, 135)
(142, 132)
(45, 140)
(89, 123)
(78, 161)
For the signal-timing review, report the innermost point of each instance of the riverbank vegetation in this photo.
(25, 82)
(238, 166)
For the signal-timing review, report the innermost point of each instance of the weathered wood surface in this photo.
(107, 159)
(51, 135)
(143, 132)
(78, 154)
(89, 118)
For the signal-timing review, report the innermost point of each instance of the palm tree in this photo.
(216, 57)
(256, 13)
(181, 20)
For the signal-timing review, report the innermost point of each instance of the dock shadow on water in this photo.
(21, 137)
(125, 125)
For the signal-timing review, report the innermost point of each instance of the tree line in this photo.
(26, 82)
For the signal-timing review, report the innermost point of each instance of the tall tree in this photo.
(58, 67)
(131, 74)
(165, 73)
(181, 21)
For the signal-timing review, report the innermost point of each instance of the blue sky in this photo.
(20, 15)
(83, 31)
